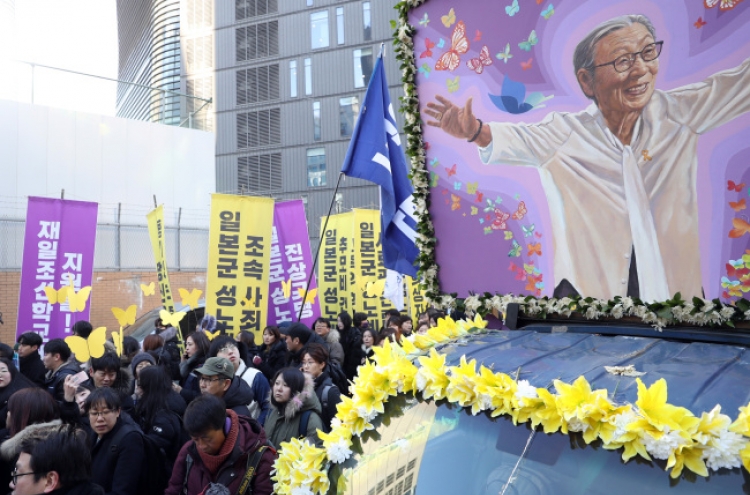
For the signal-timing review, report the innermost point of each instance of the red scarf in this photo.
(214, 462)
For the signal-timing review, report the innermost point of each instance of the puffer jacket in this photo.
(335, 350)
(274, 358)
(11, 447)
(328, 401)
(283, 425)
(250, 438)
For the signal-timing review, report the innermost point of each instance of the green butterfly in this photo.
(452, 84)
(508, 235)
(487, 230)
(515, 250)
(433, 179)
(526, 45)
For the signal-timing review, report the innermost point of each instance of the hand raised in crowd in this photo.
(70, 386)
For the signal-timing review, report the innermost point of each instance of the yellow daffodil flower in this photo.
(461, 383)
(433, 374)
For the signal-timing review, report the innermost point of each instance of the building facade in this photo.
(287, 79)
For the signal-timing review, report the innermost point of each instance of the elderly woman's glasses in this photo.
(623, 63)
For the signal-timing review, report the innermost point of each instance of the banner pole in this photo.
(317, 251)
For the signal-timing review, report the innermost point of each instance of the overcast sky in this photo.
(78, 35)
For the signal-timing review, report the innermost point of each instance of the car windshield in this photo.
(435, 449)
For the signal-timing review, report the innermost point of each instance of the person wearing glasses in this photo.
(217, 378)
(620, 176)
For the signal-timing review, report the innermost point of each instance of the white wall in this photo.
(104, 159)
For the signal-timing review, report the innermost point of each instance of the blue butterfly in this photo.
(425, 69)
(434, 162)
(441, 43)
(528, 231)
(546, 13)
(425, 20)
(457, 186)
(512, 9)
(513, 99)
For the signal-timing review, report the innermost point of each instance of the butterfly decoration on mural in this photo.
(474, 210)
(429, 45)
(515, 251)
(91, 347)
(425, 69)
(452, 84)
(513, 99)
(738, 205)
(699, 23)
(732, 286)
(480, 197)
(457, 186)
(723, 4)
(741, 227)
(459, 45)
(148, 290)
(478, 64)
(455, 202)
(733, 186)
(125, 317)
(434, 162)
(528, 231)
(434, 179)
(425, 20)
(501, 218)
(505, 55)
(548, 12)
(508, 235)
(451, 171)
(513, 8)
(471, 187)
(449, 18)
(530, 42)
(520, 212)
(534, 248)
(527, 65)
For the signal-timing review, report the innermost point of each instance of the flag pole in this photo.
(317, 251)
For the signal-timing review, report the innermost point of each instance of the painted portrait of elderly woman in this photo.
(626, 199)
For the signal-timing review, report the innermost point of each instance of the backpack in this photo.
(336, 372)
(156, 477)
(245, 487)
(303, 421)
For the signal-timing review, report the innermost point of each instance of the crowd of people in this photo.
(198, 418)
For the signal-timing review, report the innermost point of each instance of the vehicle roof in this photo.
(699, 375)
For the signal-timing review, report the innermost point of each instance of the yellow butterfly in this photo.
(310, 298)
(125, 317)
(286, 288)
(56, 296)
(77, 300)
(375, 289)
(190, 298)
(148, 290)
(449, 18)
(93, 347)
(117, 338)
(212, 335)
(171, 318)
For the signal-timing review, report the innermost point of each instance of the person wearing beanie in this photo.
(223, 445)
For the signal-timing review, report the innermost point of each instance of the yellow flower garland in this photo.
(649, 428)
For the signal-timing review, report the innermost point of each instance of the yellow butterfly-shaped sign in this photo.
(171, 318)
(125, 317)
(310, 298)
(212, 335)
(93, 347)
(148, 290)
(56, 296)
(449, 18)
(77, 300)
(286, 288)
(375, 289)
(190, 298)
(117, 338)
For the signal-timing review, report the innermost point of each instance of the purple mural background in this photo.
(698, 42)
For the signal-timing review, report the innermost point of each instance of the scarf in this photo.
(214, 462)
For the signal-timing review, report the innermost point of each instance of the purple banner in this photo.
(58, 247)
(291, 262)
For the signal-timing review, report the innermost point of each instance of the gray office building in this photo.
(287, 79)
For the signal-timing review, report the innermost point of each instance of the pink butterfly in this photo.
(429, 45)
(500, 218)
(459, 45)
(519, 214)
(478, 64)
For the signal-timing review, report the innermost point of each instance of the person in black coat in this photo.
(272, 354)
(217, 378)
(315, 360)
(11, 381)
(196, 352)
(118, 456)
(58, 365)
(351, 341)
(29, 361)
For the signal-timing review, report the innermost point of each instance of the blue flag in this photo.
(375, 155)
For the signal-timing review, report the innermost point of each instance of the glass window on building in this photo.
(348, 113)
(366, 21)
(316, 121)
(319, 29)
(293, 78)
(316, 167)
(309, 3)
(340, 25)
(362, 67)
(308, 76)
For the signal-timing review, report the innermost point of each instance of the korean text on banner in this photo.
(417, 298)
(239, 255)
(158, 243)
(333, 268)
(291, 263)
(369, 272)
(58, 248)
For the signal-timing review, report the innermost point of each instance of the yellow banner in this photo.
(158, 243)
(417, 299)
(239, 256)
(333, 267)
(369, 272)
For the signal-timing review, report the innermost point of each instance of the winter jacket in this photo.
(83, 488)
(351, 341)
(189, 381)
(283, 425)
(335, 351)
(176, 403)
(259, 384)
(54, 381)
(18, 382)
(11, 447)
(328, 401)
(32, 367)
(238, 396)
(274, 358)
(117, 471)
(165, 430)
(172, 348)
(250, 438)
